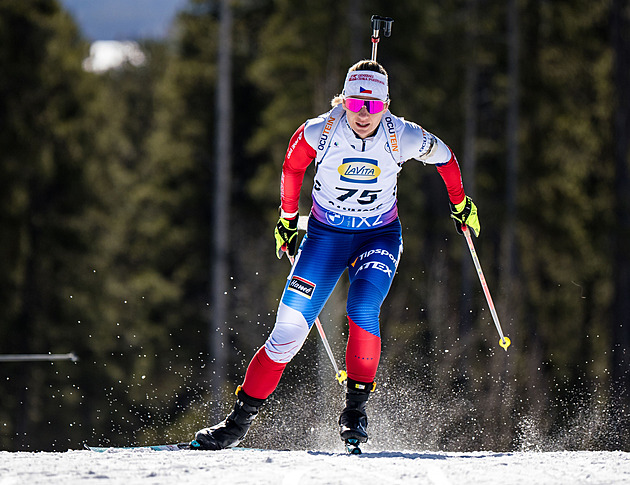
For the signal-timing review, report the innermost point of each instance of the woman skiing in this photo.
(358, 149)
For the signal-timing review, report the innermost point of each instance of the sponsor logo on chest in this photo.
(326, 133)
(391, 133)
(359, 170)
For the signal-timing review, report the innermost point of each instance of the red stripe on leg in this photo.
(363, 353)
(262, 376)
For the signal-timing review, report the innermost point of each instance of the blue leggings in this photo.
(371, 258)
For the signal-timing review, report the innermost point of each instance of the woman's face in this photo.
(363, 122)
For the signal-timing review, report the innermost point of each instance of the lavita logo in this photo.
(359, 170)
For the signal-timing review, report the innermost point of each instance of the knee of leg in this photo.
(287, 336)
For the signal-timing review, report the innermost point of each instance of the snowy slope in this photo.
(259, 467)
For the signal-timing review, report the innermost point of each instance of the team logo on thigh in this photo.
(364, 261)
(376, 265)
(302, 286)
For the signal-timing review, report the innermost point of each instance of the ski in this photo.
(352, 446)
(168, 447)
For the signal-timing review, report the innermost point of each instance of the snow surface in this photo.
(258, 467)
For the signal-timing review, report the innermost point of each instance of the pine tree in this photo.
(43, 150)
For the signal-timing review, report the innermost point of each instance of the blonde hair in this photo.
(364, 65)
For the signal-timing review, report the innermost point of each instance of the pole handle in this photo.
(384, 23)
(379, 23)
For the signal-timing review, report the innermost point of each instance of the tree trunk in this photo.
(469, 162)
(221, 220)
(508, 253)
(357, 31)
(620, 25)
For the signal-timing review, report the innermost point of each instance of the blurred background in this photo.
(141, 144)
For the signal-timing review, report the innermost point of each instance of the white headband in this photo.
(366, 83)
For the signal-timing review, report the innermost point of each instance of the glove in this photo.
(465, 213)
(286, 236)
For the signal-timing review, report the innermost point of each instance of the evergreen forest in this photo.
(137, 209)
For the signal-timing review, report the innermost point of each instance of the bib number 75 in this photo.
(366, 197)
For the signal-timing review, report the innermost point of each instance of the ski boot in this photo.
(353, 421)
(232, 429)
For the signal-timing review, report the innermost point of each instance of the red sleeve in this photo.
(452, 177)
(299, 156)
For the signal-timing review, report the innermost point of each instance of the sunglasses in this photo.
(373, 106)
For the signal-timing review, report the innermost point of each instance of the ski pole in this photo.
(340, 375)
(377, 23)
(504, 341)
(38, 357)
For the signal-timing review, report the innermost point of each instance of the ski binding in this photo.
(352, 446)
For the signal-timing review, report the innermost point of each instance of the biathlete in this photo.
(358, 149)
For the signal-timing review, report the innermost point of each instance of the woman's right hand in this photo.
(286, 234)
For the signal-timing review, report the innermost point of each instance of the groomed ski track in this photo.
(235, 467)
